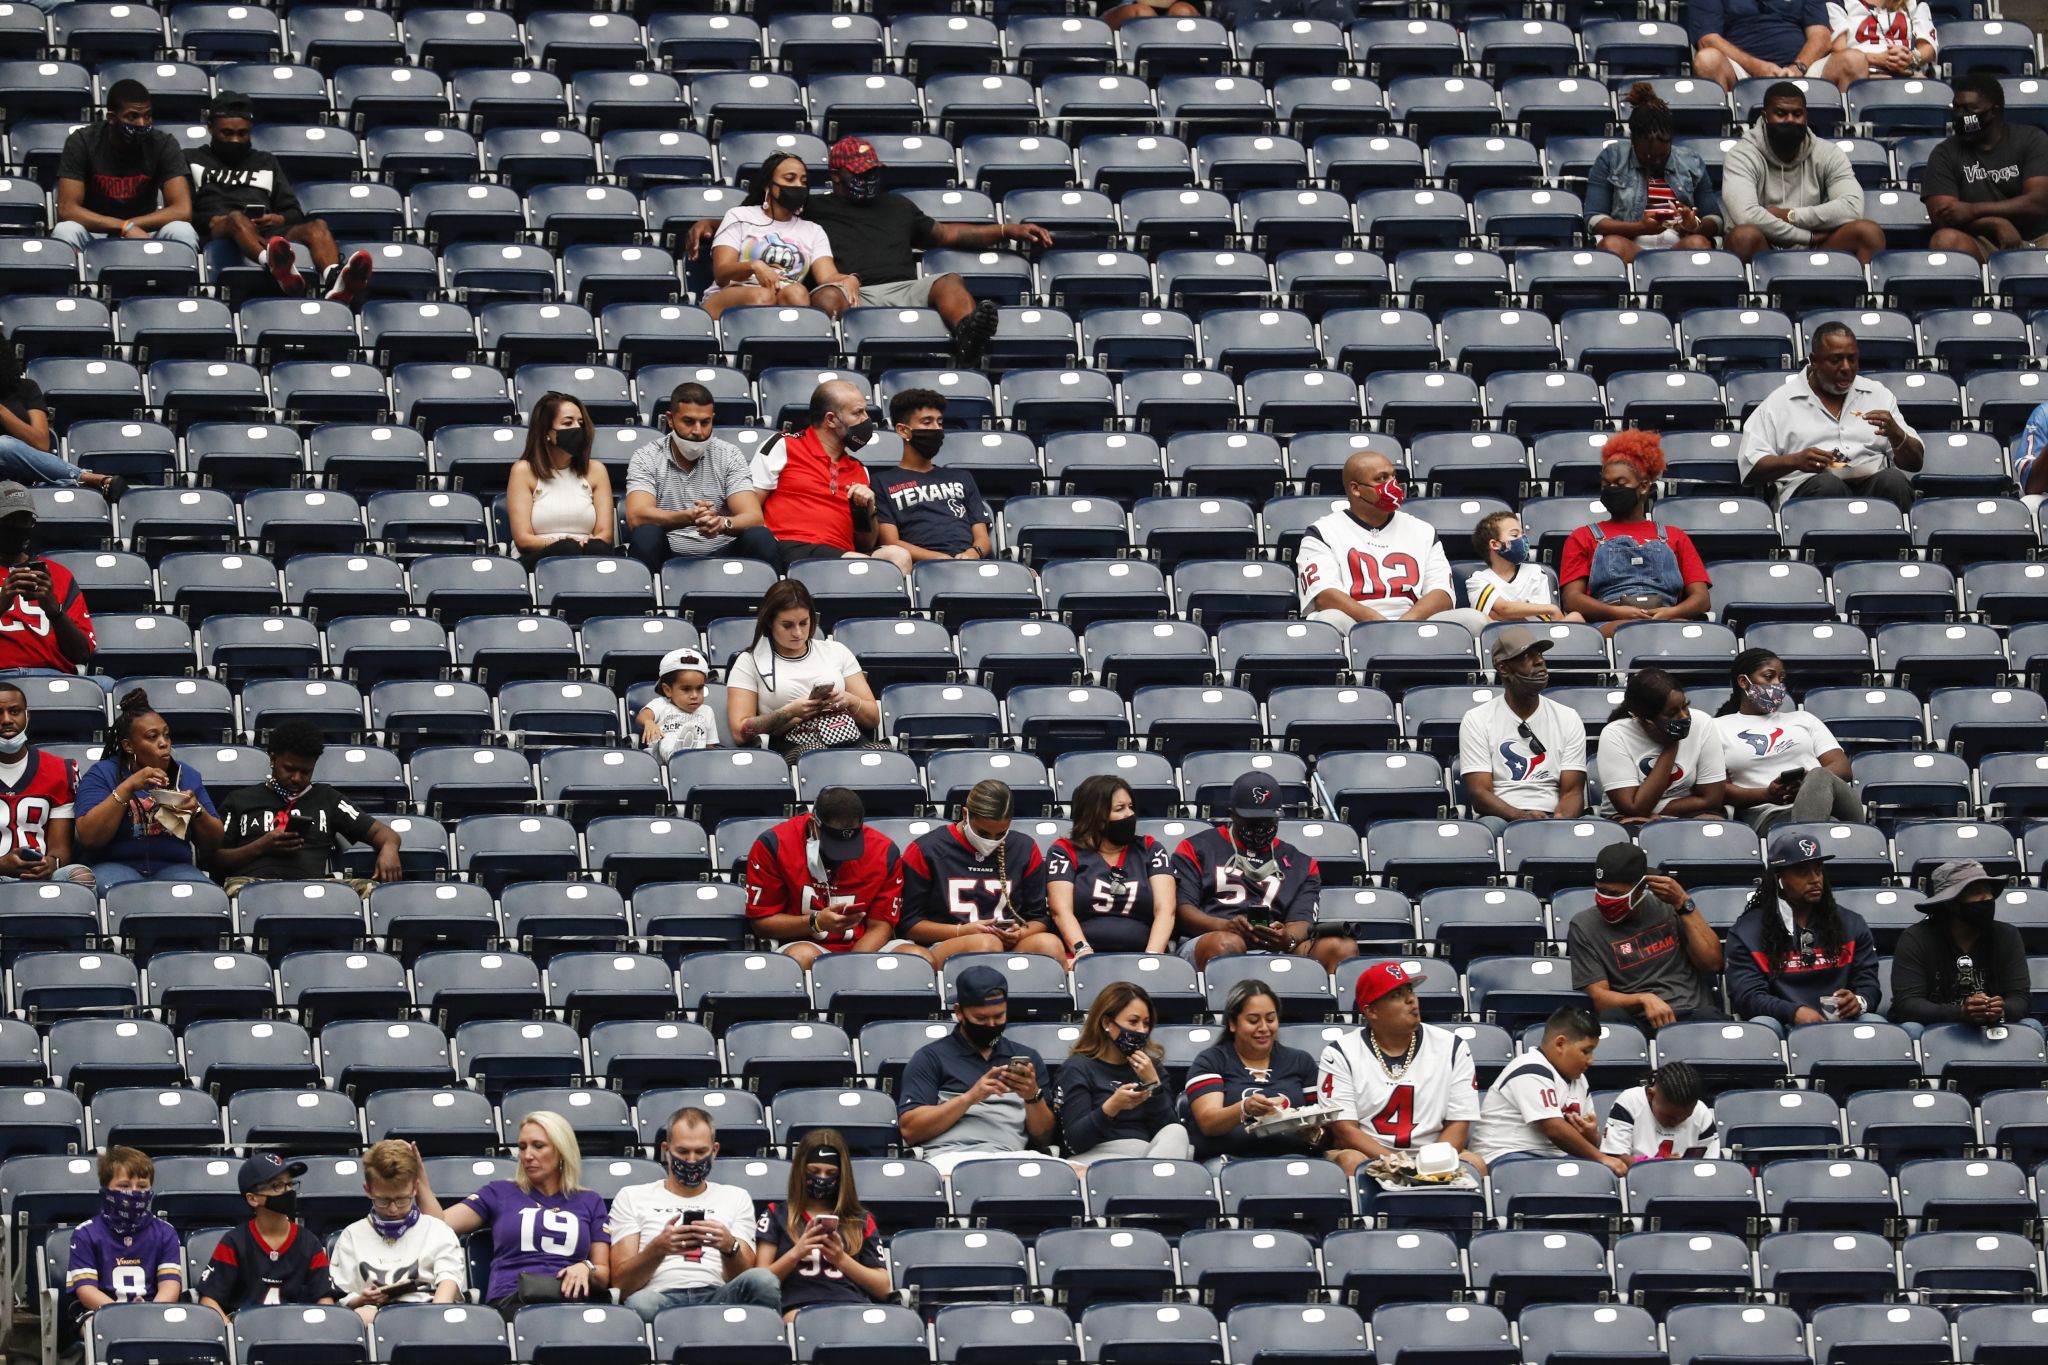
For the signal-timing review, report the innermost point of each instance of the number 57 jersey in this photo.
(1440, 1086)
(1387, 570)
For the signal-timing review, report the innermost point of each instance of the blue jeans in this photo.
(1915, 1030)
(25, 464)
(77, 236)
(749, 1287)
(111, 875)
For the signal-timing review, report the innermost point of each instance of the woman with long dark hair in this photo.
(819, 1241)
(1110, 1094)
(795, 687)
(557, 498)
(1783, 762)
(27, 449)
(142, 815)
(765, 251)
(1654, 760)
(1249, 1075)
(1794, 955)
(1109, 887)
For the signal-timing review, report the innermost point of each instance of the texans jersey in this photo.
(1386, 569)
(44, 793)
(1112, 902)
(779, 881)
(1633, 1131)
(1440, 1086)
(1527, 1093)
(1206, 878)
(947, 882)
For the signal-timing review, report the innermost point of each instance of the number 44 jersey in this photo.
(1440, 1086)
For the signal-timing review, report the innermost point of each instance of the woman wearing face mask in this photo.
(558, 499)
(765, 250)
(1783, 762)
(820, 1242)
(1645, 192)
(1630, 567)
(976, 885)
(794, 687)
(1110, 888)
(142, 815)
(1247, 1076)
(1110, 1095)
(1654, 760)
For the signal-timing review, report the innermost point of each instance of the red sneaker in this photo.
(277, 259)
(353, 279)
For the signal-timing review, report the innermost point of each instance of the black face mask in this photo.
(1785, 138)
(861, 188)
(1620, 502)
(14, 541)
(1122, 831)
(1527, 684)
(824, 1188)
(1255, 836)
(1966, 125)
(982, 1036)
(926, 441)
(1977, 915)
(285, 1205)
(859, 434)
(573, 441)
(792, 197)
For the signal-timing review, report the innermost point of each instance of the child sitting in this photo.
(675, 718)
(1512, 586)
(125, 1253)
(393, 1255)
(1662, 1118)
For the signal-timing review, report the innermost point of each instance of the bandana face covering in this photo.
(391, 1229)
(126, 1212)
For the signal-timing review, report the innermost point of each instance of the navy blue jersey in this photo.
(947, 882)
(1112, 901)
(933, 509)
(1206, 878)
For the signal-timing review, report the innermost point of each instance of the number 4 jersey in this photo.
(1387, 569)
(1438, 1087)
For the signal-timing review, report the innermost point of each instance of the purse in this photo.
(835, 731)
(535, 1288)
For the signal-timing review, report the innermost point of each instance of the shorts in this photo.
(1991, 248)
(1186, 951)
(897, 294)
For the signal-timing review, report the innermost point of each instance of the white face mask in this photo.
(688, 449)
(9, 747)
(814, 854)
(981, 845)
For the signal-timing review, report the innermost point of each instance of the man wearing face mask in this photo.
(925, 512)
(38, 796)
(1986, 185)
(825, 882)
(1642, 953)
(1830, 432)
(975, 1094)
(689, 493)
(290, 827)
(813, 488)
(1521, 756)
(1783, 188)
(685, 1240)
(271, 1259)
(1244, 889)
(1962, 964)
(122, 177)
(1370, 561)
(44, 624)
(1795, 956)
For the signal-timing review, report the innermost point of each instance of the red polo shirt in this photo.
(807, 497)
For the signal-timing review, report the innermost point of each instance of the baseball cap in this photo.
(980, 986)
(854, 156)
(1516, 641)
(1622, 862)
(264, 1167)
(842, 823)
(683, 658)
(231, 104)
(1255, 794)
(1380, 979)
(1791, 847)
(1952, 879)
(14, 498)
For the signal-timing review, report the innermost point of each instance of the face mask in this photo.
(1121, 831)
(284, 1205)
(1967, 125)
(1620, 502)
(14, 542)
(133, 133)
(230, 153)
(126, 1212)
(860, 433)
(814, 856)
(1255, 836)
(1785, 138)
(1390, 496)
(1614, 909)
(981, 844)
(823, 1188)
(792, 197)
(1127, 1041)
(1516, 551)
(927, 440)
(690, 1174)
(692, 451)
(391, 1229)
(573, 440)
(1977, 915)
(1527, 684)
(982, 1037)
(861, 188)
(1767, 697)
(1675, 729)
(11, 745)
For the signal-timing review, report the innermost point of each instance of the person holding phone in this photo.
(1783, 762)
(684, 1240)
(290, 828)
(394, 1254)
(44, 624)
(820, 1243)
(975, 1094)
(1642, 953)
(1645, 192)
(977, 885)
(1109, 1095)
(794, 688)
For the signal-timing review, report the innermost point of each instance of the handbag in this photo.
(835, 731)
(536, 1288)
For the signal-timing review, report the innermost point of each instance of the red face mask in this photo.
(1614, 909)
(1391, 496)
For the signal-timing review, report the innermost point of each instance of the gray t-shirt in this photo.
(1647, 953)
(721, 471)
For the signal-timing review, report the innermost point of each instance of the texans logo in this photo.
(1763, 744)
(1809, 849)
(1261, 795)
(1677, 770)
(1519, 763)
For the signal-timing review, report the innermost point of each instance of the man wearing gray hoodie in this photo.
(1784, 188)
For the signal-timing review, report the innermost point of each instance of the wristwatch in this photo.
(1686, 907)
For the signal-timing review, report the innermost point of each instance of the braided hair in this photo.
(992, 799)
(1823, 922)
(1648, 116)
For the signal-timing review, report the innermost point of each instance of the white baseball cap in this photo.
(683, 658)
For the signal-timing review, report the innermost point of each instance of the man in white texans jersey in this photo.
(1374, 562)
(1662, 1119)
(1540, 1104)
(1401, 1083)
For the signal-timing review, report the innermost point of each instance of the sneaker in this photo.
(973, 334)
(277, 259)
(351, 279)
(113, 488)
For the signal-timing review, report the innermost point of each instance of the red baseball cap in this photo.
(1380, 979)
(854, 156)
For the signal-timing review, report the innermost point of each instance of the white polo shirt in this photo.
(1792, 419)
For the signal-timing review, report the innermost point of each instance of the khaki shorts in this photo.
(363, 885)
(1991, 248)
(900, 294)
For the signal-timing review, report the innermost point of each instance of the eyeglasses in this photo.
(1536, 749)
(396, 1204)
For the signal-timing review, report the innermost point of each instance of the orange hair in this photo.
(1641, 449)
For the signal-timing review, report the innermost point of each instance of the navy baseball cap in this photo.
(1254, 795)
(1791, 848)
(264, 1167)
(981, 986)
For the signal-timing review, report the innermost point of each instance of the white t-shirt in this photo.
(680, 729)
(1486, 589)
(1437, 1088)
(1627, 753)
(1387, 570)
(1490, 740)
(644, 1210)
(1755, 749)
(1633, 1131)
(790, 248)
(428, 1251)
(779, 681)
(1528, 1091)
(1872, 28)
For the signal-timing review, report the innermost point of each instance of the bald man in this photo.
(1374, 562)
(814, 489)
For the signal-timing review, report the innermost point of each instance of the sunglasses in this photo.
(1536, 748)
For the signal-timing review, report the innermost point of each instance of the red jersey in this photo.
(26, 637)
(779, 881)
(46, 792)
(806, 498)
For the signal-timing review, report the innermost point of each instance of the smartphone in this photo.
(1020, 1066)
(299, 824)
(1149, 1087)
(828, 1221)
(822, 692)
(1792, 775)
(692, 1216)
(400, 1288)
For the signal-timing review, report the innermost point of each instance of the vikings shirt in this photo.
(256, 186)
(127, 1269)
(1112, 901)
(933, 509)
(1206, 877)
(535, 1234)
(427, 1252)
(36, 788)
(780, 881)
(1440, 1086)
(947, 882)
(1526, 757)
(1633, 1131)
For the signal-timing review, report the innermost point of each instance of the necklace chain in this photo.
(1387, 1064)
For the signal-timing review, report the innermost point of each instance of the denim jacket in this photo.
(1615, 187)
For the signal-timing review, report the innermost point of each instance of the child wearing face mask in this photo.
(1512, 586)
(1109, 1094)
(394, 1254)
(271, 1259)
(125, 1253)
(820, 1243)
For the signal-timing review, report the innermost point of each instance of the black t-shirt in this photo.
(875, 240)
(257, 186)
(814, 1280)
(253, 812)
(122, 179)
(1986, 177)
(933, 509)
(245, 1272)
(24, 398)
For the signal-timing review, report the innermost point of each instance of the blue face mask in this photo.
(1516, 551)
(690, 1174)
(12, 745)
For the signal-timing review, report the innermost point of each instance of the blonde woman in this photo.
(1879, 39)
(548, 1238)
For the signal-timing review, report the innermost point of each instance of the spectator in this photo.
(1247, 1076)
(1110, 1097)
(1512, 586)
(924, 512)
(765, 249)
(1827, 432)
(958, 1102)
(1732, 39)
(1244, 889)
(1782, 763)
(142, 815)
(1109, 888)
(1986, 183)
(2028, 468)
(45, 627)
(1630, 567)
(124, 1253)
(675, 719)
(1374, 562)
(1400, 1084)
(1794, 956)
(27, 449)
(825, 882)
(977, 885)
(549, 1241)
(558, 501)
(1785, 188)
(814, 492)
(795, 688)
(272, 1258)
(290, 827)
(1663, 1119)
(1521, 756)
(1645, 192)
(819, 1243)
(689, 494)
(121, 177)
(1642, 952)
(392, 1254)
(38, 791)
(1540, 1104)
(1962, 964)
(1654, 761)
(243, 196)
(1880, 39)
(685, 1240)
(1117, 13)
